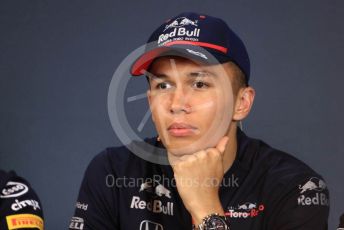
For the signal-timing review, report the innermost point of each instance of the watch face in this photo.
(216, 223)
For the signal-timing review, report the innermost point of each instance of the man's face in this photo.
(191, 104)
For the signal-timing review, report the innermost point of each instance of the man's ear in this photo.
(149, 97)
(243, 103)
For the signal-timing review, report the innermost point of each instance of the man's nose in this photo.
(179, 102)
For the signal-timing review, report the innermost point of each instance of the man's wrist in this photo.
(213, 221)
(200, 214)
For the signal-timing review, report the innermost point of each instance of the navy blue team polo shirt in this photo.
(264, 189)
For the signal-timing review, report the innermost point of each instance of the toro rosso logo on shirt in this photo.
(245, 210)
(14, 189)
(154, 205)
(314, 188)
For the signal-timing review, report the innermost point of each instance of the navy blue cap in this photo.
(198, 36)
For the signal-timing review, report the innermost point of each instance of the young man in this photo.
(20, 207)
(198, 72)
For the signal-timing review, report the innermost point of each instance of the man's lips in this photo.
(181, 129)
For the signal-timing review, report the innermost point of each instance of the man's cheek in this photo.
(204, 105)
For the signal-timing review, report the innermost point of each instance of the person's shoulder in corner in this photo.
(19, 203)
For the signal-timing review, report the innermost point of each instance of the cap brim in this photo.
(196, 53)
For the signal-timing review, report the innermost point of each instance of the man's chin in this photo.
(182, 151)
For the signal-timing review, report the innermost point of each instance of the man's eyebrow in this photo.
(202, 73)
(156, 76)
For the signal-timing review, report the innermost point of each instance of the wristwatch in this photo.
(213, 221)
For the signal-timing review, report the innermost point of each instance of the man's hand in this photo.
(198, 177)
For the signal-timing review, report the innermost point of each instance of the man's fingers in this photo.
(221, 146)
(184, 159)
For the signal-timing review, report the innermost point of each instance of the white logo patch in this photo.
(179, 34)
(180, 22)
(77, 223)
(14, 189)
(82, 206)
(150, 225)
(181, 29)
(247, 206)
(313, 184)
(25, 203)
(245, 210)
(197, 53)
(317, 197)
(154, 205)
(159, 190)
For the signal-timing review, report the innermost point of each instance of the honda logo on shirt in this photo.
(150, 225)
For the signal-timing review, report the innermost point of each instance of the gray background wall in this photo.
(57, 60)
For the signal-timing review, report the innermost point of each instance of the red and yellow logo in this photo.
(24, 221)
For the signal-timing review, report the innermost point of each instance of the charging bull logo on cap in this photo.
(179, 29)
(313, 184)
(179, 22)
(195, 32)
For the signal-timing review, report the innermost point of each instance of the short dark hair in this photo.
(239, 79)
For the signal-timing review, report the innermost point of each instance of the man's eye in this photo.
(200, 84)
(163, 85)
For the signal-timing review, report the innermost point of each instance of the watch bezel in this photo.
(208, 221)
